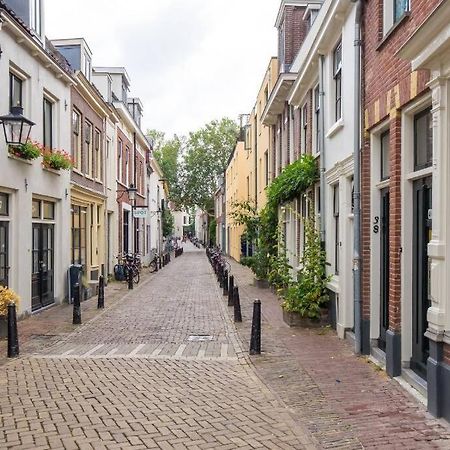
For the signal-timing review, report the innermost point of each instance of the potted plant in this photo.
(28, 151)
(56, 159)
(7, 296)
(305, 299)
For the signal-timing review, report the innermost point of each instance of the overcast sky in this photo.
(190, 61)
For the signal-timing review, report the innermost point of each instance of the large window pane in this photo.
(3, 204)
(48, 124)
(423, 140)
(15, 91)
(385, 156)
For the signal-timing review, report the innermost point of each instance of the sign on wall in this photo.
(140, 212)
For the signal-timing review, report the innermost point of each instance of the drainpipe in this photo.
(322, 150)
(357, 182)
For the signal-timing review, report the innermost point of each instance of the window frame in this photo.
(12, 78)
(304, 128)
(336, 227)
(337, 77)
(425, 112)
(47, 102)
(316, 125)
(76, 138)
(98, 155)
(89, 128)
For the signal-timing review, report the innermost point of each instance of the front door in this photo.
(4, 254)
(42, 266)
(384, 272)
(421, 303)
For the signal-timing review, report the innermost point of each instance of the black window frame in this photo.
(304, 126)
(12, 79)
(47, 103)
(316, 96)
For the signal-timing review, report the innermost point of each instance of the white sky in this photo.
(190, 61)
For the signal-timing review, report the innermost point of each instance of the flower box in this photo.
(26, 152)
(56, 159)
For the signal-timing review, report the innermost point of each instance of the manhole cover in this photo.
(200, 337)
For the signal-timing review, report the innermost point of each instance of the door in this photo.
(421, 303)
(42, 266)
(4, 268)
(384, 272)
(126, 236)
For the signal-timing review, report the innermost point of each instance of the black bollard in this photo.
(130, 278)
(255, 341)
(237, 305)
(163, 260)
(230, 290)
(159, 262)
(101, 292)
(156, 263)
(225, 282)
(13, 340)
(221, 272)
(76, 305)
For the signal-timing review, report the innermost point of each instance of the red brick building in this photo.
(399, 285)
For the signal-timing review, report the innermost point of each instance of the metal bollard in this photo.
(164, 260)
(76, 305)
(101, 292)
(221, 272)
(255, 340)
(230, 290)
(130, 278)
(156, 263)
(225, 282)
(13, 339)
(237, 305)
(159, 262)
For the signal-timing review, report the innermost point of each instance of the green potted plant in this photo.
(28, 151)
(56, 159)
(305, 299)
(7, 296)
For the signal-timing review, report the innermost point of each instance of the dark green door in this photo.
(42, 278)
(384, 287)
(4, 267)
(421, 303)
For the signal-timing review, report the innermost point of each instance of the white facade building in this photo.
(34, 201)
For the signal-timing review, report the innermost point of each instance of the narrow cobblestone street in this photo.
(165, 367)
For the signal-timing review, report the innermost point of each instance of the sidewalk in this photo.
(43, 328)
(343, 400)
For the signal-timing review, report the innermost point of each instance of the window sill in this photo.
(335, 128)
(77, 171)
(22, 160)
(383, 184)
(392, 30)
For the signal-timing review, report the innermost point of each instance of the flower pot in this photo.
(295, 319)
(261, 283)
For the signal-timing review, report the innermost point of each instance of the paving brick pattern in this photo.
(343, 400)
(160, 368)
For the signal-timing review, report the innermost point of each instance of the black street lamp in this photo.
(16, 127)
(132, 193)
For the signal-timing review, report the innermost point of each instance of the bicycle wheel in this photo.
(136, 276)
(152, 265)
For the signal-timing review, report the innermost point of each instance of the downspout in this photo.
(134, 221)
(357, 182)
(322, 150)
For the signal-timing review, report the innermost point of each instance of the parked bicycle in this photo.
(154, 262)
(125, 263)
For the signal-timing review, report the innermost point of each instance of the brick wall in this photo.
(388, 86)
(87, 114)
(295, 31)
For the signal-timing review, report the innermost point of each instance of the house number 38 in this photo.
(376, 226)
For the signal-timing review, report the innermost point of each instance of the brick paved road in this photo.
(163, 368)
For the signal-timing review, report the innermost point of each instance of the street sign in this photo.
(140, 212)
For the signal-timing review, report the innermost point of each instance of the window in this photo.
(336, 227)
(248, 188)
(88, 141)
(304, 130)
(125, 176)
(119, 159)
(43, 210)
(35, 16)
(317, 119)
(400, 7)
(4, 245)
(337, 75)
(48, 124)
(15, 91)
(98, 156)
(423, 140)
(79, 235)
(4, 204)
(76, 139)
(266, 168)
(385, 155)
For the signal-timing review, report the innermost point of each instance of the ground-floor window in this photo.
(79, 214)
(4, 253)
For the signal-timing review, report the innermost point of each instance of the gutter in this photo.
(357, 183)
(322, 150)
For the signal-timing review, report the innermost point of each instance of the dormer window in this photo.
(36, 16)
